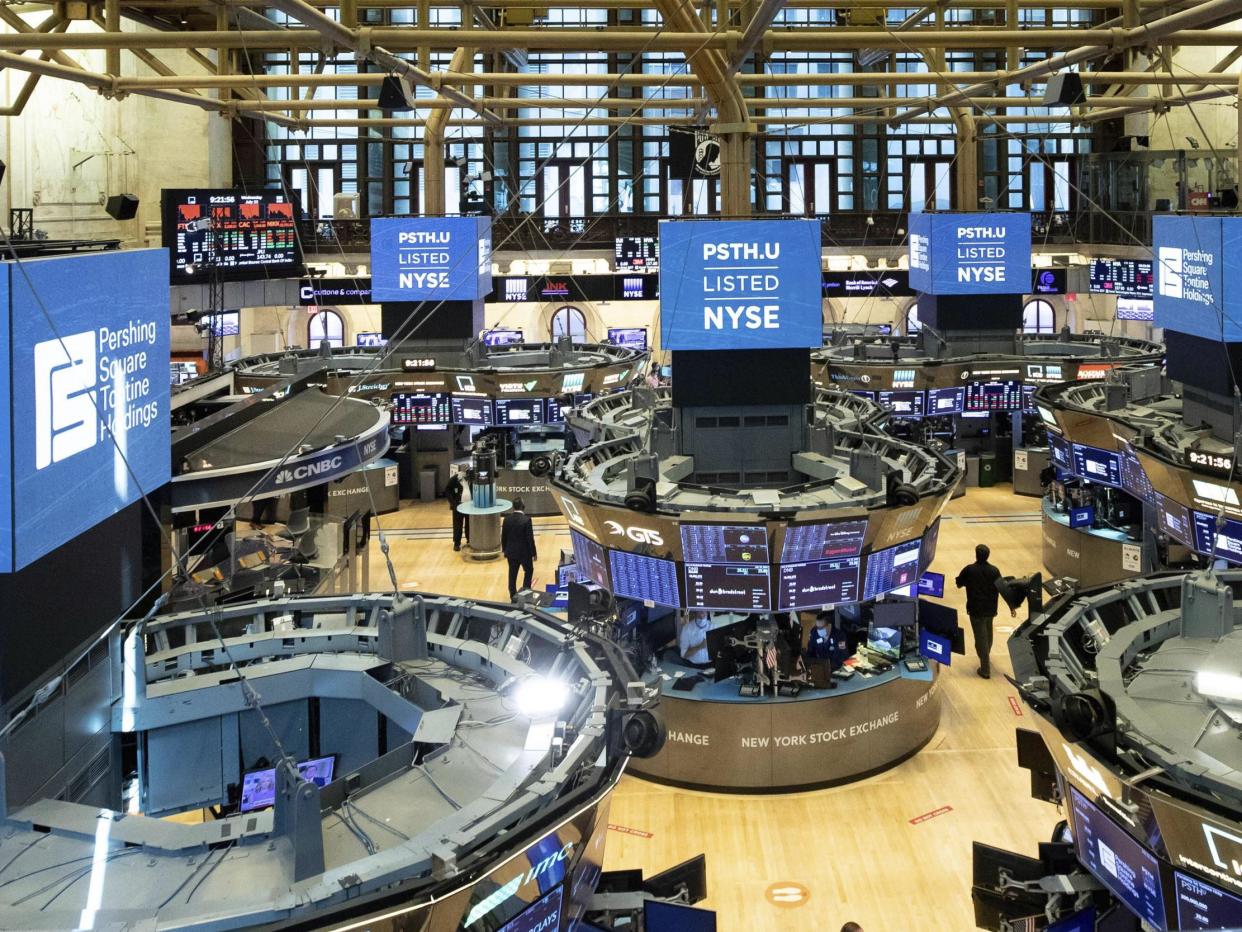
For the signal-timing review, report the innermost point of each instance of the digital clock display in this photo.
(1216, 462)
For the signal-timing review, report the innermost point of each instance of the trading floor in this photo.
(808, 860)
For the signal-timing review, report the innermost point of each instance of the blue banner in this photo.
(90, 393)
(740, 284)
(1198, 271)
(431, 258)
(970, 253)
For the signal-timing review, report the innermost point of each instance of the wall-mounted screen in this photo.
(808, 542)
(1126, 278)
(1059, 450)
(422, 408)
(518, 412)
(892, 568)
(637, 252)
(993, 396)
(472, 410)
(902, 403)
(816, 583)
(1203, 906)
(932, 584)
(728, 587)
(641, 287)
(724, 543)
(633, 337)
(1096, 465)
(230, 235)
(942, 401)
(259, 786)
(502, 337)
(370, 338)
(1134, 478)
(1136, 309)
(1219, 537)
(589, 558)
(648, 579)
(1119, 862)
(870, 396)
(1174, 520)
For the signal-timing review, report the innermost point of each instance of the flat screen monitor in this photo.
(724, 543)
(518, 412)
(502, 337)
(370, 338)
(927, 549)
(553, 411)
(894, 613)
(932, 584)
(906, 403)
(421, 409)
(540, 916)
(1201, 905)
(942, 619)
(1174, 520)
(633, 337)
(993, 396)
(943, 401)
(1046, 415)
(1136, 309)
(884, 641)
(1096, 465)
(1134, 478)
(1059, 453)
(1127, 278)
(472, 410)
(183, 371)
(1082, 517)
(870, 396)
(659, 916)
(806, 542)
(637, 253)
(892, 568)
(589, 558)
(935, 647)
(641, 287)
(230, 235)
(1218, 537)
(1081, 921)
(647, 579)
(259, 786)
(728, 587)
(1119, 862)
(817, 583)
(1028, 397)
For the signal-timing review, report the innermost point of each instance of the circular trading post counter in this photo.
(722, 742)
(1093, 556)
(484, 528)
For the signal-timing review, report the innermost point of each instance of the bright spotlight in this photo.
(540, 696)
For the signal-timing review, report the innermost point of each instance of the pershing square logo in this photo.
(64, 391)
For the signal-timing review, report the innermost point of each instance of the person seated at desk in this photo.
(826, 649)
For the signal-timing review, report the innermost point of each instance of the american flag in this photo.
(770, 656)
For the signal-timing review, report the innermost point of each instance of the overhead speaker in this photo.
(1064, 90)
(119, 206)
(396, 94)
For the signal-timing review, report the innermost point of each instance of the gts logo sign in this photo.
(640, 535)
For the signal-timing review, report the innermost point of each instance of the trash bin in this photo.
(987, 470)
(972, 470)
(427, 484)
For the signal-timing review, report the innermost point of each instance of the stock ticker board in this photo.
(230, 234)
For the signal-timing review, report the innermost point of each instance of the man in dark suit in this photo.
(454, 492)
(517, 542)
(979, 581)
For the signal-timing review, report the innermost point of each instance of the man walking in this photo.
(979, 581)
(454, 492)
(517, 542)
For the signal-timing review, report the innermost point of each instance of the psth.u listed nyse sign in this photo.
(740, 284)
(954, 254)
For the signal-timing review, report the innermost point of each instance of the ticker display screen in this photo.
(230, 235)
(472, 410)
(941, 401)
(1219, 537)
(589, 558)
(1097, 465)
(1203, 906)
(518, 412)
(993, 396)
(1174, 520)
(430, 408)
(724, 543)
(648, 579)
(728, 587)
(1119, 862)
(902, 403)
(1059, 449)
(1125, 278)
(1134, 478)
(637, 252)
(892, 568)
(810, 542)
(817, 583)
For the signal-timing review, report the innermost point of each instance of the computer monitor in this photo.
(502, 337)
(932, 584)
(893, 613)
(884, 641)
(633, 337)
(1119, 862)
(259, 786)
(674, 917)
(370, 338)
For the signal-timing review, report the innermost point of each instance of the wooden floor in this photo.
(855, 849)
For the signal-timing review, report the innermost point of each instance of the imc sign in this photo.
(431, 258)
(740, 284)
(88, 416)
(970, 253)
(1198, 272)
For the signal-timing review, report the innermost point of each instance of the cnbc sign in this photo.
(953, 254)
(740, 284)
(84, 411)
(1198, 275)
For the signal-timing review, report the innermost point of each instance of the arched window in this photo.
(1038, 317)
(912, 325)
(569, 320)
(326, 325)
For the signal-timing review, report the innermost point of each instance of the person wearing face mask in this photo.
(822, 651)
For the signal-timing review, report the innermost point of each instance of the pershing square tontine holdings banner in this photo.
(86, 426)
(740, 284)
(1198, 276)
(970, 253)
(431, 258)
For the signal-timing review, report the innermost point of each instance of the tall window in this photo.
(912, 319)
(326, 325)
(569, 320)
(1038, 317)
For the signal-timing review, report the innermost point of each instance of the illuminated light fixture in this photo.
(1223, 686)
(540, 696)
(1214, 492)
